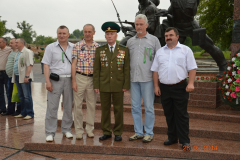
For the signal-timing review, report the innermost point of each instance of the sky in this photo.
(47, 15)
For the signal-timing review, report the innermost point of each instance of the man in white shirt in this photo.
(171, 65)
(57, 59)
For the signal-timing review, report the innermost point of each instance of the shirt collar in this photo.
(69, 44)
(93, 43)
(113, 45)
(146, 36)
(178, 45)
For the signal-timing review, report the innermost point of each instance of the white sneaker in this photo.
(68, 135)
(49, 138)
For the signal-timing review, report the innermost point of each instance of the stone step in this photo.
(197, 127)
(217, 114)
(201, 148)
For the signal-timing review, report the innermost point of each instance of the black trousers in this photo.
(174, 101)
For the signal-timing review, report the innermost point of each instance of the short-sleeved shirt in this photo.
(25, 60)
(85, 56)
(4, 53)
(54, 57)
(173, 64)
(142, 53)
(10, 63)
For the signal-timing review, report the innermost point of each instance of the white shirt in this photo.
(112, 46)
(53, 57)
(173, 64)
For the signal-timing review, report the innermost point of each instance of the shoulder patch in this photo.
(122, 45)
(101, 46)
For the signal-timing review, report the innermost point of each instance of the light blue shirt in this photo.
(15, 68)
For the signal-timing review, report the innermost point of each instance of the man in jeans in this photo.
(142, 48)
(23, 76)
(4, 52)
(9, 71)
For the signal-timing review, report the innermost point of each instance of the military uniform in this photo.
(111, 74)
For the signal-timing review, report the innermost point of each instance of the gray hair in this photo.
(22, 40)
(142, 16)
(89, 25)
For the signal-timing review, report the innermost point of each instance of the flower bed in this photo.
(230, 83)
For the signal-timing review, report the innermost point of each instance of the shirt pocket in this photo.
(149, 52)
(180, 62)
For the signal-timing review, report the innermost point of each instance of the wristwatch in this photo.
(26, 76)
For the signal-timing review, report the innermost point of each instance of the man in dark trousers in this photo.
(171, 66)
(111, 77)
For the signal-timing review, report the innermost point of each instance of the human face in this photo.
(2, 44)
(88, 33)
(141, 27)
(63, 35)
(111, 37)
(13, 44)
(171, 38)
(19, 44)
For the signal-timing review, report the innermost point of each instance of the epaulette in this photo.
(123, 46)
(101, 46)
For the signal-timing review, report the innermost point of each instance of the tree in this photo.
(49, 40)
(27, 33)
(3, 29)
(77, 33)
(72, 36)
(217, 17)
(42, 40)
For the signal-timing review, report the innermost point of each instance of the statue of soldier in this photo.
(148, 8)
(181, 16)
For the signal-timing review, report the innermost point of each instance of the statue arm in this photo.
(150, 13)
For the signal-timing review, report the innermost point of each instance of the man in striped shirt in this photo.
(83, 56)
(9, 71)
(4, 52)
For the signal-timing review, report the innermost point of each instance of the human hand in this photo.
(190, 88)
(157, 91)
(49, 87)
(96, 90)
(74, 86)
(26, 80)
(124, 90)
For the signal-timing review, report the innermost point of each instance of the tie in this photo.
(111, 49)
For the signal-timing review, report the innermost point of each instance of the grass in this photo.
(227, 55)
(37, 60)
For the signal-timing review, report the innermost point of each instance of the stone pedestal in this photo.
(236, 28)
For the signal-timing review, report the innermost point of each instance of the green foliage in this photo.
(77, 33)
(188, 42)
(42, 40)
(27, 33)
(72, 36)
(217, 17)
(2, 29)
(202, 52)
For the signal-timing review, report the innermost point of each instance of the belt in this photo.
(176, 83)
(65, 75)
(88, 75)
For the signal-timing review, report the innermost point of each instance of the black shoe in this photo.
(118, 138)
(104, 137)
(5, 113)
(186, 147)
(169, 142)
(15, 114)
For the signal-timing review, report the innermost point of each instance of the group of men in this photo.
(16, 64)
(110, 70)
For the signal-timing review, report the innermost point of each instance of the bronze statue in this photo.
(148, 8)
(180, 15)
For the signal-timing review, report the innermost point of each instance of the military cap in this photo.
(110, 27)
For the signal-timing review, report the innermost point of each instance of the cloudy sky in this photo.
(47, 15)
